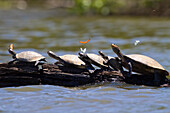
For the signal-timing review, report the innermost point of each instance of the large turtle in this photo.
(141, 64)
(26, 56)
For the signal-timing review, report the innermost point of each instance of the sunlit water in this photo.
(42, 30)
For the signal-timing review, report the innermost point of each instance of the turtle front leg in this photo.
(156, 78)
(130, 69)
(37, 62)
(39, 65)
(120, 67)
(11, 62)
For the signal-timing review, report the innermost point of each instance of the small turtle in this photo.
(26, 56)
(114, 62)
(94, 59)
(68, 60)
(141, 64)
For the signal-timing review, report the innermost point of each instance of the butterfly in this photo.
(85, 41)
(136, 42)
(83, 50)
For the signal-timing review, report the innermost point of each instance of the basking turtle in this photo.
(114, 62)
(94, 59)
(141, 64)
(68, 60)
(26, 56)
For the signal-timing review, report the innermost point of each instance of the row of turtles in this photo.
(133, 62)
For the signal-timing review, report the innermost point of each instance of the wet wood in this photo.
(19, 74)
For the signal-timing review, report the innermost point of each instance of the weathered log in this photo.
(19, 74)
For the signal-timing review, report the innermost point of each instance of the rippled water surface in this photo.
(44, 30)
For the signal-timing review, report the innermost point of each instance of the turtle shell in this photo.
(29, 56)
(73, 60)
(96, 59)
(144, 64)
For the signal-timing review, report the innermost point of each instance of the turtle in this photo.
(141, 64)
(114, 62)
(69, 60)
(94, 59)
(26, 56)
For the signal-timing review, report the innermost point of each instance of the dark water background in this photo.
(40, 31)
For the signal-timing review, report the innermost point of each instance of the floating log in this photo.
(19, 74)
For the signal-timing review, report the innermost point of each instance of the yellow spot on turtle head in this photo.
(114, 46)
(11, 46)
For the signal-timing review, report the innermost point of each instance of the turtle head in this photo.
(115, 48)
(10, 50)
(81, 55)
(53, 55)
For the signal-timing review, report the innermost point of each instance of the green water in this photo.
(41, 31)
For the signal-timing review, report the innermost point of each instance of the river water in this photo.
(43, 30)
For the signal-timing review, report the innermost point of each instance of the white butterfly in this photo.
(83, 50)
(136, 42)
